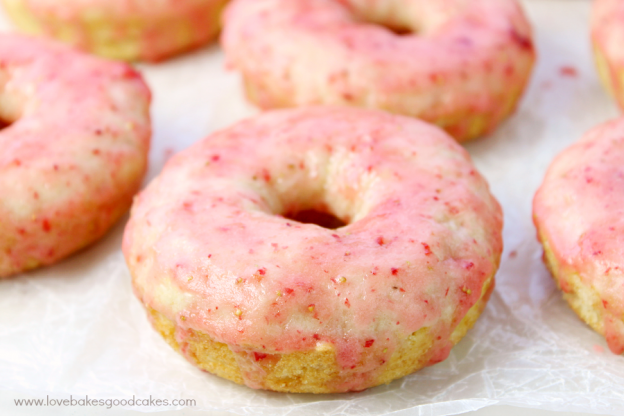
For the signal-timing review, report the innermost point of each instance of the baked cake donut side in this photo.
(244, 290)
(149, 30)
(578, 215)
(462, 65)
(74, 151)
(607, 33)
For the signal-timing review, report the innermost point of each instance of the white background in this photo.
(75, 328)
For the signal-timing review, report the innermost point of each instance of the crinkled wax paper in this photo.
(75, 328)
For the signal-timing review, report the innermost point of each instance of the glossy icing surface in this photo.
(607, 31)
(209, 246)
(462, 64)
(579, 210)
(74, 152)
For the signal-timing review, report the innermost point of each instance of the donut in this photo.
(578, 215)
(73, 150)
(351, 247)
(459, 64)
(607, 33)
(148, 30)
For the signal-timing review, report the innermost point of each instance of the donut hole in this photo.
(395, 20)
(325, 190)
(11, 106)
(6, 121)
(398, 28)
(322, 218)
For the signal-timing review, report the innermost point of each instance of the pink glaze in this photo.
(208, 247)
(75, 153)
(463, 67)
(163, 27)
(579, 210)
(607, 31)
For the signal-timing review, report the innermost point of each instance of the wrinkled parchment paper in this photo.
(76, 328)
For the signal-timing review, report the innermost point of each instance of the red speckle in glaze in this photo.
(509, 70)
(614, 334)
(513, 254)
(522, 41)
(266, 175)
(314, 289)
(46, 226)
(565, 286)
(259, 356)
(469, 265)
(605, 303)
(428, 251)
(215, 158)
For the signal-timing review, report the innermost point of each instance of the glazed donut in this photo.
(234, 279)
(607, 32)
(149, 30)
(462, 65)
(578, 215)
(73, 152)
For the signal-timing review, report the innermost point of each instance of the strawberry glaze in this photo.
(208, 246)
(607, 31)
(74, 152)
(463, 66)
(579, 211)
